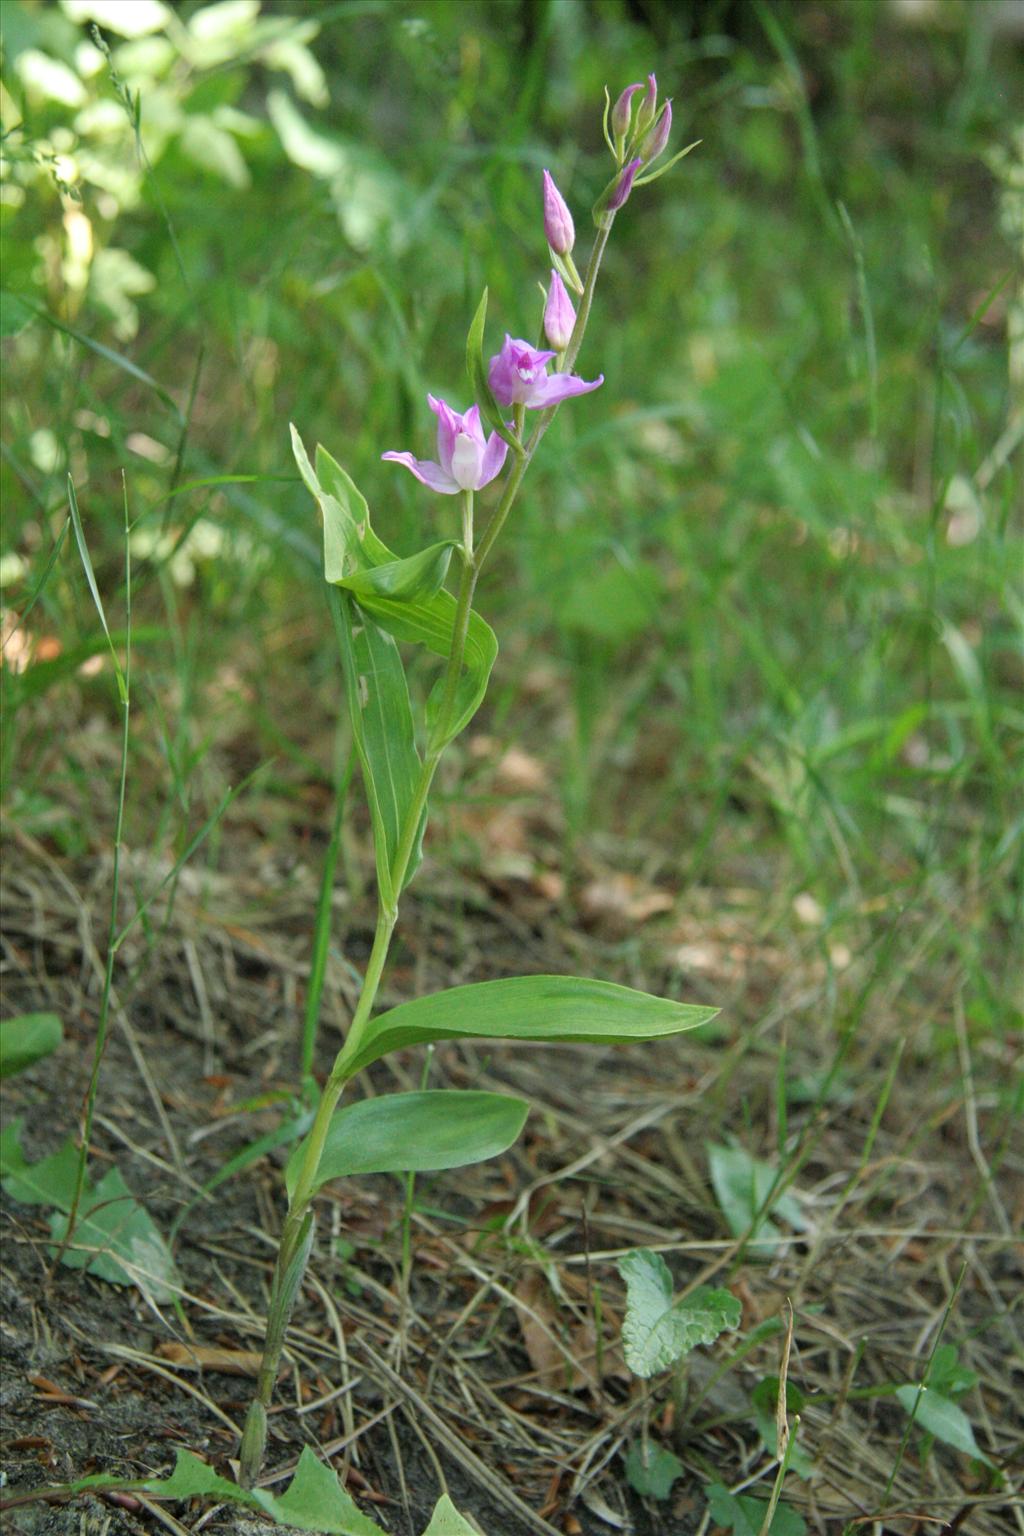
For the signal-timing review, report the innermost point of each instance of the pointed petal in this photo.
(560, 386)
(471, 425)
(447, 427)
(426, 471)
(493, 460)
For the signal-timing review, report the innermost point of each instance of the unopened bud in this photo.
(622, 112)
(558, 225)
(623, 186)
(648, 107)
(559, 315)
(656, 140)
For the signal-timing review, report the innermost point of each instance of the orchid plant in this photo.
(383, 601)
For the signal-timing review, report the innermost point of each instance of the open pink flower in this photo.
(518, 375)
(466, 461)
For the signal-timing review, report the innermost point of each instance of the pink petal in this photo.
(560, 386)
(493, 459)
(447, 428)
(426, 471)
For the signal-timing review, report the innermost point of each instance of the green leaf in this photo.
(551, 1008)
(117, 1240)
(764, 1400)
(12, 1158)
(382, 725)
(313, 1501)
(415, 1133)
(940, 1417)
(651, 1470)
(946, 1375)
(742, 1186)
(351, 547)
(48, 1182)
(745, 1516)
(656, 1332)
(14, 313)
(479, 386)
(28, 1038)
(446, 1521)
(421, 575)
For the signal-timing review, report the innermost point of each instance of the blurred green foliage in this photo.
(798, 490)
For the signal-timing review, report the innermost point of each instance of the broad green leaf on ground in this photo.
(939, 1416)
(656, 1331)
(651, 1470)
(116, 1239)
(313, 1501)
(946, 1375)
(415, 1133)
(743, 1188)
(12, 1158)
(26, 1039)
(745, 1516)
(48, 1182)
(551, 1008)
(446, 1521)
(381, 715)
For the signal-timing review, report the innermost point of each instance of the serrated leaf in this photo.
(656, 1331)
(116, 1239)
(745, 1516)
(742, 1187)
(551, 1008)
(940, 1417)
(651, 1470)
(415, 1133)
(26, 1039)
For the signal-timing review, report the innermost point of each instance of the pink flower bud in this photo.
(648, 107)
(622, 112)
(656, 140)
(623, 186)
(558, 225)
(559, 315)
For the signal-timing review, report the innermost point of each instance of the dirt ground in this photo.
(482, 1378)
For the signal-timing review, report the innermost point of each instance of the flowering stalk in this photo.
(518, 377)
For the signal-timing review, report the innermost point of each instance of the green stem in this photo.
(296, 1234)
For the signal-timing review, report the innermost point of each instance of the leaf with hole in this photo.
(26, 1039)
(656, 1330)
(419, 1132)
(556, 1009)
(940, 1417)
(744, 1189)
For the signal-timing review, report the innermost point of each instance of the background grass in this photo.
(760, 608)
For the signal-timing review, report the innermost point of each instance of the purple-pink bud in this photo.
(648, 107)
(623, 186)
(558, 225)
(559, 315)
(622, 111)
(656, 140)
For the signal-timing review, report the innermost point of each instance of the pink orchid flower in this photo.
(518, 375)
(467, 462)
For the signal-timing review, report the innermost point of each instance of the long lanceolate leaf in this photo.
(548, 1008)
(378, 701)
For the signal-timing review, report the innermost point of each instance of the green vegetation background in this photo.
(770, 569)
